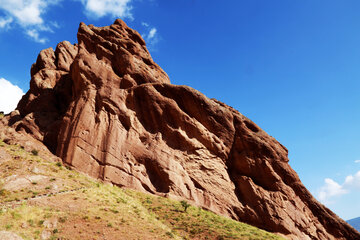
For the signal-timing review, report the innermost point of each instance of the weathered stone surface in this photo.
(14, 182)
(42, 108)
(107, 109)
(5, 235)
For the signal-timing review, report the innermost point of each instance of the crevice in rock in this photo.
(250, 125)
(158, 177)
(197, 184)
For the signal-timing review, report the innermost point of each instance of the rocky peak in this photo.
(107, 109)
(122, 50)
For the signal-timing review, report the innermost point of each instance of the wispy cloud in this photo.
(151, 35)
(114, 8)
(34, 34)
(332, 189)
(353, 181)
(28, 14)
(9, 95)
(329, 190)
(357, 161)
(5, 22)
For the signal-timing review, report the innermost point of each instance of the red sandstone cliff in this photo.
(107, 109)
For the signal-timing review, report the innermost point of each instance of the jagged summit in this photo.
(107, 109)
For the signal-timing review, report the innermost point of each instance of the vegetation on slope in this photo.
(41, 199)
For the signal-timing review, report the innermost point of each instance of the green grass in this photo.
(192, 222)
(106, 208)
(22, 164)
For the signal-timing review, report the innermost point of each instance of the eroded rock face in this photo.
(107, 109)
(41, 109)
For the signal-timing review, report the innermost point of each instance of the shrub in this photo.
(3, 192)
(185, 205)
(35, 152)
(31, 222)
(170, 234)
(62, 219)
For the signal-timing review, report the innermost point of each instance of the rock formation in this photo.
(107, 109)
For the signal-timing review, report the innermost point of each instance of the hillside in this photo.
(40, 198)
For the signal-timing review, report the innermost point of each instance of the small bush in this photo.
(35, 152)
(15, 215)
(121, 200)
(114, 211)
(3, 192)
(31, 223)
(185, 205)
(220, 237)
(170, 234)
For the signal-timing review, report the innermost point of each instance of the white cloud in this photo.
(151, 36)
(9, 95)
(114, 8)
(331, 189)
(353, 181)
(357, 161)
(27, 14)
(5, 22)
(34, 34)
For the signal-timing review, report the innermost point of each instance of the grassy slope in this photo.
(65, 204)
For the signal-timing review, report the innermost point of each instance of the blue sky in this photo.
(293, 67)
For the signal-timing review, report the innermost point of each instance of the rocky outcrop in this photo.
(9, 236)
(107, 109)
(44, 105)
